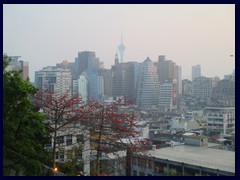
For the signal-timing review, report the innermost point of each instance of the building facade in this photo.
(123, 80)
(147, 85)
(85, 60)
(196, 71)
(168, 70)
(192, 158)
(17, 64)
(80, 87)
(57, 80)
(220, 120)
(202, 87)
(167, 95)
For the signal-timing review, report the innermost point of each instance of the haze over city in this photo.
(45, 35)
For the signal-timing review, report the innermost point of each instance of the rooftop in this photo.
(200, 156)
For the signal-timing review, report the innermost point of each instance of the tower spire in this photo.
(121, 48)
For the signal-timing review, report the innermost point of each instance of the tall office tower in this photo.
(167, 70)
(147, 85)
(202, 87)
(167, 95)
(108, 81)
(96, 85)
(196, 71)
(57, 80)
(123, 79)
(121, 49)
(220, 120)
(85, 60)
(16, 64)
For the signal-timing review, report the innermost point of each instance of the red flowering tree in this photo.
(60, 110)
(112, 129)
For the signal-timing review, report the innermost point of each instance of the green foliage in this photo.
(23, 128)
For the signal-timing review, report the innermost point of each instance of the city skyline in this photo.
(45, 35)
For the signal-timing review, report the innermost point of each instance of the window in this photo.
(142, 174)
(52, 79)
(69, 140)
(57, 155)
(80, 138)
(60, 139)
(49, 145)
(61, 156)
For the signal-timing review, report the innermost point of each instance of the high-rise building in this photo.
(80, 87)
(202, 87)
(108, 81)
(57, 80)
(16, 64)
(85, 60)
(147, 85)
(96, 85)
(196, 71)
(167, 70)
(123, 79)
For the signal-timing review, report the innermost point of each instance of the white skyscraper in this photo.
(147, 85)
(80, 87)
(196, 71)
(83, 87)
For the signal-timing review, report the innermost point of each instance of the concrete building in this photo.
(167, 95)
(202, 87)
(85, 60)
(80, 87)
(223, 93)
(17, 64)
(186, 87)
(123, 79)
(182, 125)
(96, 85)
(196, 159)
(147, 85)
(196, 71)
(220, 120)
(108, 81)
(57, 80)
(167, 70)
(72, 142)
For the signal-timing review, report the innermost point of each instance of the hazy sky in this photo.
(187, 34)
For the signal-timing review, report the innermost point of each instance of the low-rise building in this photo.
(195, 159)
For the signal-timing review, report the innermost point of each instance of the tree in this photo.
(112, 130)
(24, 134)
(60, 110)
(104, 126)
